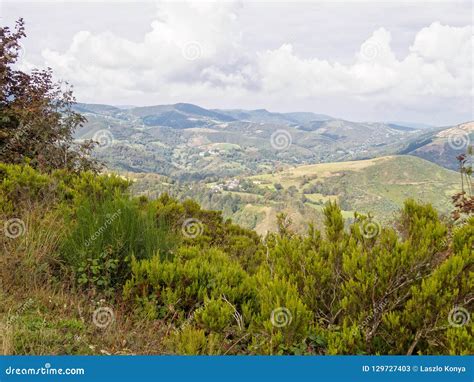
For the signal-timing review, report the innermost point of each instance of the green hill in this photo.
(377, 186)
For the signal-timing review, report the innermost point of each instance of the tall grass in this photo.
(121, 226)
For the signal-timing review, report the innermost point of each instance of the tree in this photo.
(37, 121)
(464, 200)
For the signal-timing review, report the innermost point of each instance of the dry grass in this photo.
(50, 321)
(34, 252)
(40, 315)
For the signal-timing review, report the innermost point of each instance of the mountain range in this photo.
(253, 164)
(192, 143)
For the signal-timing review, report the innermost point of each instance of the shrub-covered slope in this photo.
(88, 269)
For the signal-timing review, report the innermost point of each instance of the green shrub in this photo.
(106, 234)
(184, 282)
(221, 289)
(22, 186)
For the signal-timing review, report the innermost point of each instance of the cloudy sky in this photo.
(372, 60)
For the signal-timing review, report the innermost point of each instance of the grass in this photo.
(39, 316)
(59, 322)
(117, 224)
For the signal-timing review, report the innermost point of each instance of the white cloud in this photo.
(439, 64)
(194, 52)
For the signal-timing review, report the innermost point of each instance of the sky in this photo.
(361, 61)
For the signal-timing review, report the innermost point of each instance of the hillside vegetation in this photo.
(377, 186)
(188, 142)
(88, 269)
(442, 147)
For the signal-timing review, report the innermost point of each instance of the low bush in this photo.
(207, 286)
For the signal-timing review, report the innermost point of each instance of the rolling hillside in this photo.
(378, 186)
(189, 142)
(253, 164)
(443, 145)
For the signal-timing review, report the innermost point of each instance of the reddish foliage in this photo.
(37, 121)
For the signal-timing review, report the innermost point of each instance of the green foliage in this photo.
(108, 233)
(333, 222)
(191, 341)
(98, 272)
(221, 289)
(184, 282)
(22, 186)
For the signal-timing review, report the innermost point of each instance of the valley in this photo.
(378, 186)
(255, 164)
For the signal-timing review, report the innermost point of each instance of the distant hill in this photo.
(414, 125)
(191, 143)
(443, 145)
(99, 109)
(377, 186)
(180, 115)
(265, 116)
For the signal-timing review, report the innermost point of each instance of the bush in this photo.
(221, 289)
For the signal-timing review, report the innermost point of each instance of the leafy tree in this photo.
(37, 121)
